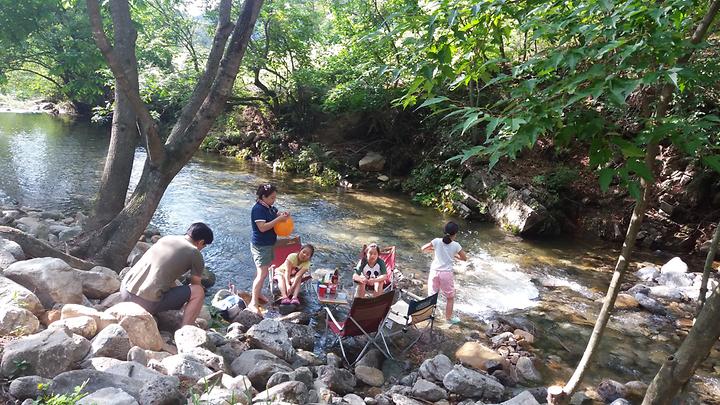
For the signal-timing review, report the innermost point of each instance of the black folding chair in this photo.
(410, 311)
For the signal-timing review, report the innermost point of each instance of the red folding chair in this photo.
(388, 256)
(282, 249)
(366, 317)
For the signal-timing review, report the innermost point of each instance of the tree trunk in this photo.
(556, 395)
(34, 247)
(561, 396)
(111, 244)
(708, 267)
(678, 368)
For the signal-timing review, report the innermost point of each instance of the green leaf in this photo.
(634, 189)
(640, 169)
(472, 120)
(605, 176)
(628, 148)
(432, 101)
(712, 161)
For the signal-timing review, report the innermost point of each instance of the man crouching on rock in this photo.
(151, 281)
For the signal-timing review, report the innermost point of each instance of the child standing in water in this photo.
(441, 269)
(290, 274)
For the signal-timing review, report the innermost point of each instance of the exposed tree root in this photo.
(34, 247)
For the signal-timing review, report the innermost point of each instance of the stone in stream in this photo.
(52, 280)
(478, 356)
(46, 354)
(15, 321)
(524, 398)
(108, 396)
(436, 369)
(473, 384)
(12, 293)
(428, 391)
(675, 265)
(610, 390)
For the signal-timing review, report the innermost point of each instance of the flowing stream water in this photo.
(553, 288)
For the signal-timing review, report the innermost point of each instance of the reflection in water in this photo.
(552, 285)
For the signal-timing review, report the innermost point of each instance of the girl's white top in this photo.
(444, 255)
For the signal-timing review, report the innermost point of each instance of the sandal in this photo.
(286, 301)
(295, 301)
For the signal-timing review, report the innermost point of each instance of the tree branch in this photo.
(202, 88)
(48, 78)
(148, 126)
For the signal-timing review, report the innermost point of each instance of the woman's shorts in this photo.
(173, 299)
(262, 255)
(444, 281)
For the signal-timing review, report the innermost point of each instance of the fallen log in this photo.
(34, 247)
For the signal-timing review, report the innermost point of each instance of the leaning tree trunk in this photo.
(708, 267)
(556, 394)
(111, 244)
(678, 368)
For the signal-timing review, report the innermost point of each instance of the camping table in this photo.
(339, 298)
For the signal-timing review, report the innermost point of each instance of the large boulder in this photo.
(370, 375)
(139, 325)
(436, 369)
(99, 282)
(293, 392)
(135, 371)
(185, 367)
(335, 379)
(46, 354)
(472, 384)
(84, 326)
(112, 341)
(272, 336)
(12, 293)
(189, 337)
(52, 280)
(301, 336)
(93, 381)
(477, 355)
(428, 391)
(28, 387)
(675, 265)
(108, 396)
(521, 214)
(17, 321)
(102, 319)
(372, 162)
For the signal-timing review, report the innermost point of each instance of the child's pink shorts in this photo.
(443, 281)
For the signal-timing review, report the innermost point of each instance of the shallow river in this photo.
(553, 287)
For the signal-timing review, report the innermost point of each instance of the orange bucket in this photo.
(284, 228)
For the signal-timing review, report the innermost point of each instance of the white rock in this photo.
(52, 280)
(12, 293)
(675, 265)
(139, 325)
(16, 321)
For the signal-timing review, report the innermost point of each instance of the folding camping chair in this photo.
(388, 256)
(366, 317)
(282, 249)
(411, 310)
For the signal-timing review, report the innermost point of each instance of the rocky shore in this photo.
(64, 327)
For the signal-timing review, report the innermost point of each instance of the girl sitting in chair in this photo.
(290, 275)
(370, 272)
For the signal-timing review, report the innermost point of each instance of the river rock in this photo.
(370, 375)
(524, 398)
(521, 214)
(636, 389)
(428, 391)
(12, 293)
(648, 273)
(102, 319)
(335, 379)
(13, 248)
(526, 371)
(160, 391)
(400, 399)
(84, 326)
(108, 396)
(139, 324)
(99, 282)
(189, 337)
(69, 233)
(293, 392)
(639, 288)
(477, 355)
(94, 380)
(221, 396)
(272, 336)
(259, 365)
(436, 369)
(47, 353)
(626, 301)
(675, 279)
(472, 384)
(301, 336)
(16, 321)
(372, 162)
(675, 265)
(610, 390)
(671, 293)
(134, 370)
(28, 387)
(6, 259)
(650, 304)
(621, 401)
(137, 253)
(211, 360)
(112, 300)
(52, 280)
(100, 363)
(302, 374)
(524, 335)
(33, 226)
(185, 368)
(112, 341)
(244, 320)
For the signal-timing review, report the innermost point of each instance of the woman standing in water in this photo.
(263, 218)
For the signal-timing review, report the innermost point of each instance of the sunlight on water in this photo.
(486, 285)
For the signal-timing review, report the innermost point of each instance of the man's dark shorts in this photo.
(174, 299)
